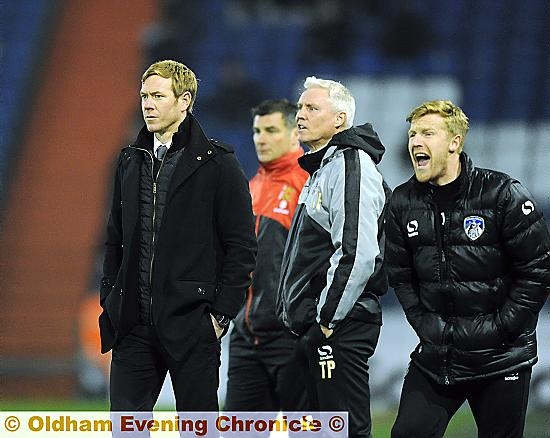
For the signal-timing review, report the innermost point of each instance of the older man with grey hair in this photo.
(331, 275)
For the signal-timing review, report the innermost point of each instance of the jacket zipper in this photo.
(291, 237)
(247, 313)
(444, 238)
(447, 333)
(448, 330)
(441, 235)
(249, 298)
(153, 238)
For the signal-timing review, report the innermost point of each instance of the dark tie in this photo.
(161, 152)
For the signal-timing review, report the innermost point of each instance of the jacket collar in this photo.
(281, 164)
(197, 149)
(180, 139)
(467, 169)
(362, 137)
(313, 161)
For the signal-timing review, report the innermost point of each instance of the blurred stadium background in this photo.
(69, 82)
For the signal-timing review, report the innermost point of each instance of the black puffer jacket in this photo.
(471, 279)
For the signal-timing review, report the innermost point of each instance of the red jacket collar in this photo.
(281, 164)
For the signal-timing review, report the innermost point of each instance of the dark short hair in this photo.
(283, 106)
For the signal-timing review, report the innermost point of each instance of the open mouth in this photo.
(422, 159)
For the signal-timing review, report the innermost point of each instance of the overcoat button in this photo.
(209, 152)
(199, 158)
(201, 291)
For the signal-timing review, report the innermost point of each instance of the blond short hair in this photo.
(183, 78)
(455, 120)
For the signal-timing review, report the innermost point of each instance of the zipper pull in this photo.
(154, 188)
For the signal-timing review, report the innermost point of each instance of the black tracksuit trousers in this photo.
(337, 371)
(498, 405)
(263, 377)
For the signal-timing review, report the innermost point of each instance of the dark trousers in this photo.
(498, 405)
(338, 373)
(139, 366)
(264, 377)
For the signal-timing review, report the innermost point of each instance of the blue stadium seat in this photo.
(22, 37)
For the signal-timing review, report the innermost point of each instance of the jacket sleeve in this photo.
(356, 202)
(235, 228)
(428, 325)
(113, 243)
(526, 243)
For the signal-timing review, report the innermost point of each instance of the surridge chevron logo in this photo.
(527, 207)
(325, 352)
(412, 228)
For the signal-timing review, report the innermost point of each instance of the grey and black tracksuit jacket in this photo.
(332, 264)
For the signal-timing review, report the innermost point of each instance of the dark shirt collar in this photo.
(446, 195)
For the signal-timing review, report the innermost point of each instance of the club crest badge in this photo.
(474, 226)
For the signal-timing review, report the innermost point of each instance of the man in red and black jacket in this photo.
(262, 375)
